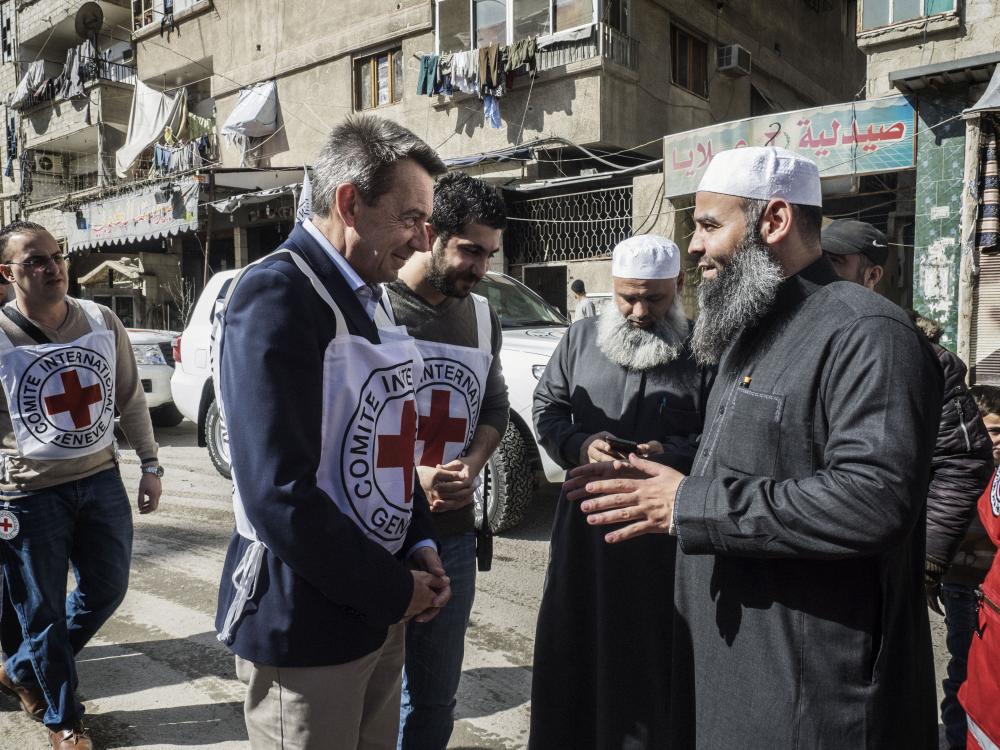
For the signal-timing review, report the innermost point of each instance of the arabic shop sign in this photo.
(855, 138)
(157, 210)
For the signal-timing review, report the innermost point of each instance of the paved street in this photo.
(157, 678)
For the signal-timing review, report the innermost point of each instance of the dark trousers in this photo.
(960, 606)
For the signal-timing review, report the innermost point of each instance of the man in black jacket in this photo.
(960, 468)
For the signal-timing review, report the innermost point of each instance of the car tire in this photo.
(165, 416)
(508, 483)
(217, 440)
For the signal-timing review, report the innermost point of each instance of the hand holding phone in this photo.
(622, 447)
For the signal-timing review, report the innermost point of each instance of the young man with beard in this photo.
(801, 617)
(463, 411)
(601, 676)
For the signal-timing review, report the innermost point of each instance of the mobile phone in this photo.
(624, 447)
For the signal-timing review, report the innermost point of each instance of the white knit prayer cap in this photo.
(763, 173)
(646, 256)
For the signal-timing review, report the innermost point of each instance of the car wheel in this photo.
(166, 416)
(507, 482)
(217, 440)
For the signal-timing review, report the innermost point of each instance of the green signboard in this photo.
(862, 137)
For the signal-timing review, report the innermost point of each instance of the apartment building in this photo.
(941, 55)
(574, 138)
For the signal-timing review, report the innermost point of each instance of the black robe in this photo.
(801, 616)
(602, 648)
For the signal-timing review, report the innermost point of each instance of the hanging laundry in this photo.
(152, 111)
(463, 72)
(491, 71)
(520, 56)
(77, 70)
(491, 110)
(425, 78)
(33, 77)
(161, 158)
(442, 77)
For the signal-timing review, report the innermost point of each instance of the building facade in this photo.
(941, 55)
(574, 138)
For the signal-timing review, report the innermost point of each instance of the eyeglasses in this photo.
(38, 262)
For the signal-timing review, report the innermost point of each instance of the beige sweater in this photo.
(26, 475)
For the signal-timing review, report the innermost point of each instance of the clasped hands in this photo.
(636, 492)
(431, 587)
(448, 486)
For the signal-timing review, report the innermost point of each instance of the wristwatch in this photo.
(155, 469)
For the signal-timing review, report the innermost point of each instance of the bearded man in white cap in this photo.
(602, 649)
(800, 608)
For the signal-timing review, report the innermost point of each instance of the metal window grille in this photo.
(576, 226)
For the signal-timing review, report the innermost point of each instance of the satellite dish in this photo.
(89, 20)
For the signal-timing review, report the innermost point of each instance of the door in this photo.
(549, 283)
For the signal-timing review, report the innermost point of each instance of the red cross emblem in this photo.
(75, 399)
(438, 428)
(396, 451)
(6, 525)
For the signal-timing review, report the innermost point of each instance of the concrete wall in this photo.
(591, 102)
(973, 31)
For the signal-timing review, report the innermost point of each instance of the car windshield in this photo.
(518, 306)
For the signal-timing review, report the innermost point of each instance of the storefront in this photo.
(866, 154)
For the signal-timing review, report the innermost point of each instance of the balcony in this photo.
(52, 23)
(96, 70)
(605, 42)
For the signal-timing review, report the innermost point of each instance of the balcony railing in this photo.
(604, 41)
(91, 69)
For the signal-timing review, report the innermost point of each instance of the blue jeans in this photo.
(434, 652)
(960, 607)
(86, 524)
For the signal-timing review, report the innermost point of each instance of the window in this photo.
(531, 18)
(142, 13)
(378, 79)
(615, 14)
(876, 13)
(688, 61)
(469, 24)
(569, 14)
(6, 30)
(759, 104)
(491, 22)
(454, 25)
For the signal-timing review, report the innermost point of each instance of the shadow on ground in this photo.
(175, 727)
(505, 687)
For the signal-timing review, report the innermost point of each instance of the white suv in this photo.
(155, 360)
(531, 330)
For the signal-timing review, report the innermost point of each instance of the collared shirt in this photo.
(368, 294)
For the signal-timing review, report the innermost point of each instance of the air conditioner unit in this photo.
(734, 60)
(49, 164)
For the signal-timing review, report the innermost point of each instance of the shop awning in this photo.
(158, 210)
(236, 202)
(990, 100)
(962, 72)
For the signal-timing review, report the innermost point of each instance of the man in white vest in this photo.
(65, 366)
(463, 411)
(333, 549)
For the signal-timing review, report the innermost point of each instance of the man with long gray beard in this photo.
(801, 618)
(602, 648)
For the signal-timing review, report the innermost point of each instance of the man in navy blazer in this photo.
(323, 571)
